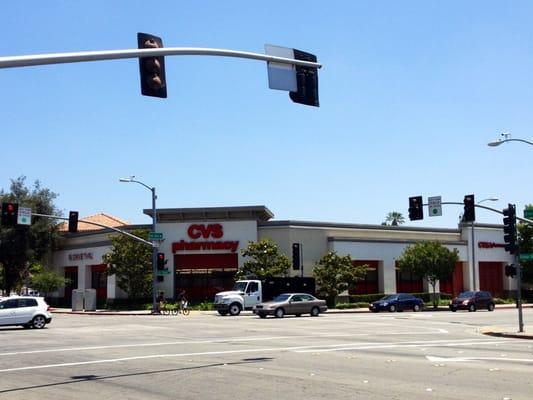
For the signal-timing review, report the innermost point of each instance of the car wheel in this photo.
(315, 311)
(490, 307)
(234, 309)
(280, 312)
(472, 308)
(416, 307)
(223, 313)
(392, 308)
(262, 316)
(38, 322)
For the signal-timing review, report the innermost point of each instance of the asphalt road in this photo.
(433, 355)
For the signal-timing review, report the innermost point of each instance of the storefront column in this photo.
(387, 279)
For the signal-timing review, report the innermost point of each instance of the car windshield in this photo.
(240, 286)
(390, 297)
(464, 295)
(281, 297)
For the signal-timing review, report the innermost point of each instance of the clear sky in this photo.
(410, 94)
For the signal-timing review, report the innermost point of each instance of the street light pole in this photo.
(507, 138)
(154, 246)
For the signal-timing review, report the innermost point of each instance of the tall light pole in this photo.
(154, 247)
(472, 232)
(507, 138)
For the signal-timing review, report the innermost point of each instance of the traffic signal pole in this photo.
(83, 56)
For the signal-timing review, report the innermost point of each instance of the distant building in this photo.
(203, 248)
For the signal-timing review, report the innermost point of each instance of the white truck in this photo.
(247, 293)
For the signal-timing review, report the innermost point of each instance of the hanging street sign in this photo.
(434, 206)
(24, 216)
(155, 236)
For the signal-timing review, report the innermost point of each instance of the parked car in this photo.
(397, 302)
(291, 303)
(25, 311)
(472, 301)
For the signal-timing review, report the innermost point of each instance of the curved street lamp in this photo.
(154, 248)
(507, 138)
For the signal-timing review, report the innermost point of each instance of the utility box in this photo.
(90, 300)
(77, 299)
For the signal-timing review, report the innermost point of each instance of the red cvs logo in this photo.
(196, 231)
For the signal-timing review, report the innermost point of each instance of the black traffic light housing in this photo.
(469, 214)
(509, 229)
(296, 256)
(9, 214)
(415, 208)
(510, 270)
(73, 221)
(306, 81)
(152, 69)
(161, 261)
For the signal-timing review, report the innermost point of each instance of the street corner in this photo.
(507, 332)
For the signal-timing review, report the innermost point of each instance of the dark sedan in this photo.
(291, 303)
(397, 302)
(472, 301)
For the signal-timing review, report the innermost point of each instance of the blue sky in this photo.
(410, 94)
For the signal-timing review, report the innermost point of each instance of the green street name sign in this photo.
(163, 272)
(155, 236)
(528, 214)
(526, 257)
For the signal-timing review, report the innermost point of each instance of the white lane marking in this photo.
(207, 341)
(463, 359)
(210, 341)
(370, 346)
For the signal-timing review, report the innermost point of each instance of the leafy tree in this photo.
(46, 281)
(264, 261)
(525, 244)
(429, 260)
(394, 218)
(23, 245)
(131, 262)
(335, 274)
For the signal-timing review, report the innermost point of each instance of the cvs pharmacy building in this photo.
(203, 251)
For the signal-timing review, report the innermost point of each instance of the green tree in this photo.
(525, 244)
(334, 274)
(429, 260)
(131, 262)
(264, 261)
(46, 281)
(394, 218)
(23, 245)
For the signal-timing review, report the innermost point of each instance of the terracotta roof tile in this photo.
(101, 218)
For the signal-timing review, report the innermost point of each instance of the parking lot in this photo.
(205, 356)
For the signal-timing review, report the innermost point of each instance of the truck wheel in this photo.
(223, 313)
(315, 311)
(280, 312)
(234, 309)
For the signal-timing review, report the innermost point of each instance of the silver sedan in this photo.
(291, 303)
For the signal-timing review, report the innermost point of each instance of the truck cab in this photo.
(244, 295)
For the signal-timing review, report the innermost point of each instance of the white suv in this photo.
(26, 311)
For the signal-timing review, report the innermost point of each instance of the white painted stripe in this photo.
(463, 359)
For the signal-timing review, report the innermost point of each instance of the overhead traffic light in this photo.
(73, 221)
(509, 229)
(152, 69)
(296, 256)
(9, 214)
(306, 81)
(510, 270)
(469, 214)
(161, 261)
(415, 208)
